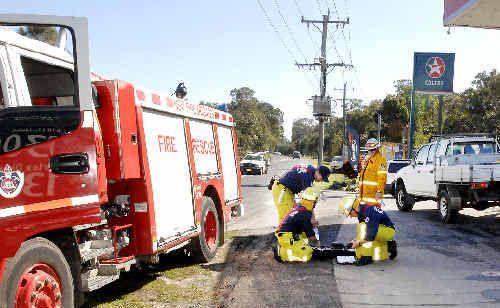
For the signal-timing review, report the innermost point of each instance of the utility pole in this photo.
(440, 115)
(344, 116)
(321, 103)
(379, 125)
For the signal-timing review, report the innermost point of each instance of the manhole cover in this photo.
(491, 274)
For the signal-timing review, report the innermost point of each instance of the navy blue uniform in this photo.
(298, 178)
(298, 221)
(373, 216)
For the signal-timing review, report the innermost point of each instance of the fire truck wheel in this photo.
(38, 276)
(205, 245)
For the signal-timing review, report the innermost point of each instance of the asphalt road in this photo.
(437, 265)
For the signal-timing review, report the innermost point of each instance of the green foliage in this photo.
(41, 33)
(305, 136)
(477, 109)
(259, 124)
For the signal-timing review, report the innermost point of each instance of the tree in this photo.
(209, 104)
(40, 33)
(304, 135)
(259, 125)
(477, 109)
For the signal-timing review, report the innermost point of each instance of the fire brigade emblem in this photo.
(11, 182)
(435, 67)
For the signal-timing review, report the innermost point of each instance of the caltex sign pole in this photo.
(432, 74)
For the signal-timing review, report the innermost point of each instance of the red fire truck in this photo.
(98, 177)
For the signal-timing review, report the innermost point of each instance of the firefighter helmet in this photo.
(310, 197)
(372, 144)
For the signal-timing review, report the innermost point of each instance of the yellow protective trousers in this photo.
(292, 250)
(283, 200)
(377, 249)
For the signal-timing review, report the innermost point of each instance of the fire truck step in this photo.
(111, 269)
(96, 282)
(89, 254)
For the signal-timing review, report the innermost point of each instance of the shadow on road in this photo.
(251, 277)
(474, 230)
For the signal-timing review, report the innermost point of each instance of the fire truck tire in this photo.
(204, 247)
(38, 275)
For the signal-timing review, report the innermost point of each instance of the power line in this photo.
(276, 31)
(335, 8)
(319, 7)
(322, 103)
(301, 13)
(289, 30)
(334, 45)
(282, 40)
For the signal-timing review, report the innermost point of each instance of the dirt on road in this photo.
(251, 277)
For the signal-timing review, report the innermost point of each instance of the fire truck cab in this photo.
(99, 176)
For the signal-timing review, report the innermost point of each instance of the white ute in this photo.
(456, 171)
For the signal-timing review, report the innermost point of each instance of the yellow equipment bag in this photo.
(292, 250)
(376, 249)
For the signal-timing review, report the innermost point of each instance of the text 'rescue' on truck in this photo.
(96, 178)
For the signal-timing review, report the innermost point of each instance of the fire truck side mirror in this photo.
(95, 98)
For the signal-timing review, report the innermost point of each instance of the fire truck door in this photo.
(226, 145)
(170, 174)
(47, 141)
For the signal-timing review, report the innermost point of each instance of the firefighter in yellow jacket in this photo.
(373, 175)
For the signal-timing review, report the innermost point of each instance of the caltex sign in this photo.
(433, 72)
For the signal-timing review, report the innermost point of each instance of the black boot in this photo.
(365, 260)
(392, 248)
(276, 254)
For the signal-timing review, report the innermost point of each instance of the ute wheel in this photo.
(404, 201)
(205, 246)
(446, 214)
(38, 276)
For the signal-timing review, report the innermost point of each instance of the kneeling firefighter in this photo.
(296, 233)
(374, 233)
(294, 181)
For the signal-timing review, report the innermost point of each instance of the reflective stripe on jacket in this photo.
(372, 178)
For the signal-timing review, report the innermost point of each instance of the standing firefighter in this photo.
(373, 175)
(295, 233)
(293, 182)
(374, 232)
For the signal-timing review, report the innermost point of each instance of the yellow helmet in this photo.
(347, 204)
(372, 144)
(309, 197)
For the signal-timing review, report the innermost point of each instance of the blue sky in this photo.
(215, 46)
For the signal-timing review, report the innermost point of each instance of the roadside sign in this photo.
(353, 146)
(433, 72)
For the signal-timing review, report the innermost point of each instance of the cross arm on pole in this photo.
(312, 21)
